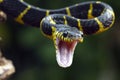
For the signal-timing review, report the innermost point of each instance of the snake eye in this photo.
(65, 34)
(82, 35)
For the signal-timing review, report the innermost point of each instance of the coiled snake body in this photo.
(65, 26)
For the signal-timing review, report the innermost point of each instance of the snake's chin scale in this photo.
(65, 53)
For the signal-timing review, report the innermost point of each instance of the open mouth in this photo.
(65, 52)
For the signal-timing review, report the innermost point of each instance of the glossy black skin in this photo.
(35, 15)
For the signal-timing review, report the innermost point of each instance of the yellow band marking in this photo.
(65, 39)
(54, 37)
(101, 26)
(90, 12)
(42, 30)
(47, 12)
(21, 15)
(62, 38)
(79, 25)
(53, 30)
(68, 11)
(52, 27)
(1, 1)
(65, 21)
(59, 35)
(52, 21)
(54, 33)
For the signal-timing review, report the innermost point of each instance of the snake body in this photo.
(65, 26)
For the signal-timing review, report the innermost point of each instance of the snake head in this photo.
(66, 39)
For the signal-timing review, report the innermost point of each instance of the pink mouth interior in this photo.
(65, 52)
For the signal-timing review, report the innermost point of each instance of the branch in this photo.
(6, 67)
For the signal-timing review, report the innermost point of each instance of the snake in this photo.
(65, 26)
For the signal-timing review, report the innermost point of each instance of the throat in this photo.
(65, 52)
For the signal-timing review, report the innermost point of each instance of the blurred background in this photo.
(97, 58)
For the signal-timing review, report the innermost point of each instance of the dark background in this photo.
(97, 58)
